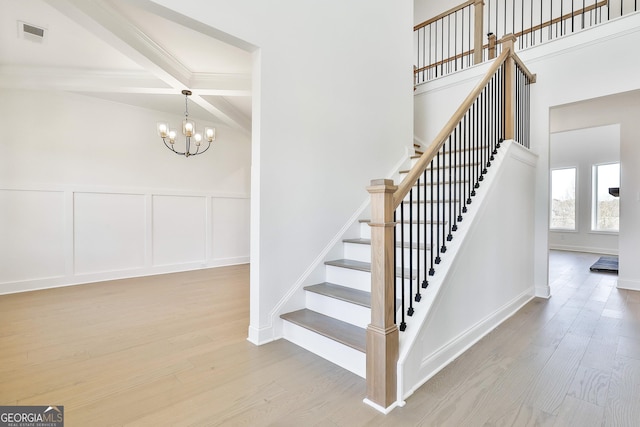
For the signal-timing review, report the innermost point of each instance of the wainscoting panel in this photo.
(54, 236)
(32, 235)
(179, 229)
(230, 239)
(109, 232)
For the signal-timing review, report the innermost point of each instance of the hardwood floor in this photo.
(172, 350)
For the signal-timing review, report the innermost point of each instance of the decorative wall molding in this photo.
(62, 235)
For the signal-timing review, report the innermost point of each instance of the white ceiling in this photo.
(129, 51)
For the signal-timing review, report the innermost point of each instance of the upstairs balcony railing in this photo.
(412, 223)
(467, 34)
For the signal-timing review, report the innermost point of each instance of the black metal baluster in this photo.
(441, 200)
(455, 42)
(410, 309)
(540, 21)
(457, 185)
(418, 269)
(448, 43)
(522, 23)
(431, 270)
(461, 187)
(403, 324)
(395, 276)
(451, 175)
(442, 47)
(462, 40)
(437, 201)
(474, 154)
(435, 48)
(483, 134)
(467, 160)
(425, 282)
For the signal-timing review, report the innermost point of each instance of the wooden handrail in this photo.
(432, 150)
(443, 14)
(525, 70)
(562, 18)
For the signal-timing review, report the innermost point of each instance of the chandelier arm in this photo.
(170, 147)
(203, 151)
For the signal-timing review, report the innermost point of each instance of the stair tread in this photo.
(342, 293)
(406, 221)
(350, 263)
(363, 266)
(337, 330)
(454, 151)
(441, 167)
(362, 241)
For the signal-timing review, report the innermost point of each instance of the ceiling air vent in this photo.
(31, 32)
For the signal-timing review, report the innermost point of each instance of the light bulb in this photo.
(162, 130)
(210, 134)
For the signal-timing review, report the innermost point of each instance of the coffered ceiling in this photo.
(130, 51)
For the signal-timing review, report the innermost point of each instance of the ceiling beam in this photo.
(120, 33)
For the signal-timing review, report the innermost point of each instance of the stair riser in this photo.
(351, 313)
(355, 279)
(417, 209)
(333, 351)
(446, 174)
(360, 252)
(457, 157)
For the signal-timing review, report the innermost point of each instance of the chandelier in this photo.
(188, 130)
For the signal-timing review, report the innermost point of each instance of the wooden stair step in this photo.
(484, 147)
(441, 167)
(465, 181)
(341, 293)
(361, 241)
(351, 264)
(337, 330)
(363, 266)
(406, 221)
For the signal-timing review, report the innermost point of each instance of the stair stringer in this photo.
(453, 314)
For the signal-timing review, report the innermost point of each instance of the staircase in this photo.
(353, 319)
(337, 312)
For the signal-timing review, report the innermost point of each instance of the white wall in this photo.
(582, 149)
(582, 66)
(622, 108)
(88, 192)
(332, 109)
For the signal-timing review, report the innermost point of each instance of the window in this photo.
(606, 208)
(563, 199)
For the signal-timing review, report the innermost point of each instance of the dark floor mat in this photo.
(606, 264)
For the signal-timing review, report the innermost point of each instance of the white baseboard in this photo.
(442, 357)
(587, 249)
(85, 278)
(632, 285)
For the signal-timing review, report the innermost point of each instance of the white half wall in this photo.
(83, 202)
(485, 276)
